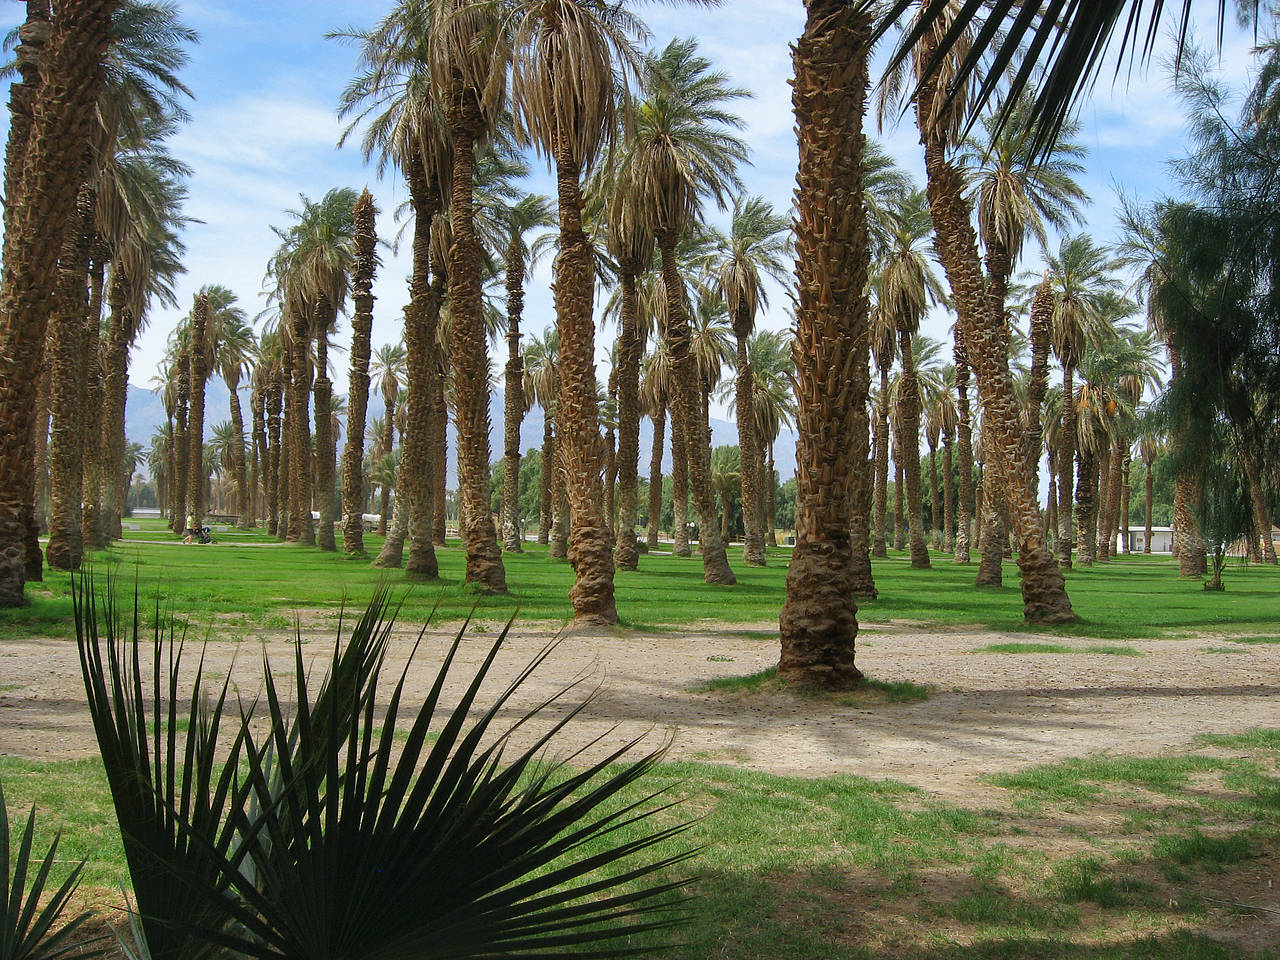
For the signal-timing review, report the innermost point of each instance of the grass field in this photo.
(1098, 858)
(1104, 857)
(248, 581)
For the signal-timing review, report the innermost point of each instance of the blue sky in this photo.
(264, 130)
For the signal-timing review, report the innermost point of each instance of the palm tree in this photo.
(364, 266)
(541, 374)
(983, 332)
(45, 164)
(200, 354)
(1080, 275)
(387, 370)
(818, 622)
(684, 150)
(771, 365)
(631, 245)
(1016, 192)
(755, 248)
(531, 212)
(235, 350)
(467, 57)
(655, 389)
(572, 59)
(315, 263)
(394, 92)
(907, 287)
(884, 349)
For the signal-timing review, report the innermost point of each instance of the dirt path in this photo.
(990, 712)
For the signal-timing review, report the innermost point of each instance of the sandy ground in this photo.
(989, 713)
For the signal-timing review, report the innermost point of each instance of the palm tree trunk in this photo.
(899, 517)
(273, 405)
(326, 442)
(198, 364)
(178, 445)
(909, 446)
(659, 418)
(244, 492)
(948, 496)
(964, 453)
(1150, 489)
(559, 508)
(1041, 335)
(1124, 504)
(301, 529)
(257, 482)
(630, 349)
(45, 163)
(1192, 560)
(115, 398)
(1116, 475)
(470, 359)
(1051, 501)
(578, 433)
(67, 378)
(749, 445)
(771, 506)
(547, 471)
(421, 334)
(392, 553)
(1261, 512)
(679, 486)
(687, 409)
(362, 275)
(40, 496)
(440, 451)
(935, 503)
(92, 529)
(818, 623)
(986, 339)
(991, 541)
(388, 444)
(1087, 508)
(1066, 461)
(860, 496)
(1104, 500)
(879, 546)
(513, 409)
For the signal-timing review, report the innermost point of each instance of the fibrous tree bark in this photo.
(986, 341)
(362, 275)
(198, 370)
(630, 350)
(92, 529)
(421, 334)
(578, 442)
(687, 411)
(115, 396)
(67, 370)
(679, 487)
(818, 622)
(52, 116)
(468, 355)
(659, 418)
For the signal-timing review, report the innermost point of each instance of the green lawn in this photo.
(1102, 857)
(247, 581)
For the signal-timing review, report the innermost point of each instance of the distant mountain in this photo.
(144, 414)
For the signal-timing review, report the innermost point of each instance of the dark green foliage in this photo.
(335, 835)
(28, 932)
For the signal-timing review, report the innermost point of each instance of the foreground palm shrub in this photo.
(333, 836)
(28, 929)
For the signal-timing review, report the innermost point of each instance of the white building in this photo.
(1161, 540)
